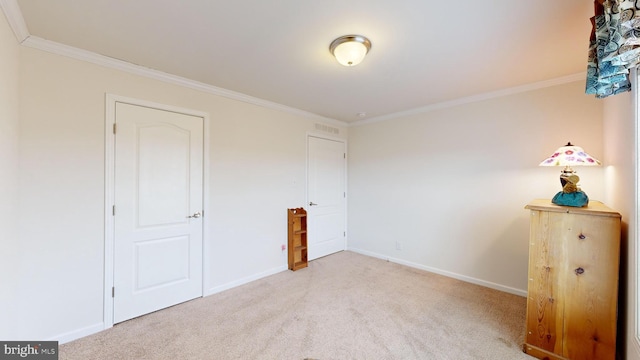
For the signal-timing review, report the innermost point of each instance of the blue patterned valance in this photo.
(614, 46)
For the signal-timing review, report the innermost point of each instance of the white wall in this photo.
(402, 183)
(620, 175)
(451, 185)
(257, 170)
(9, 128)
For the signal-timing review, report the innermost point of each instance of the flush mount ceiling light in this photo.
(350, 50)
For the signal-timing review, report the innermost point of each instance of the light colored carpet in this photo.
(343, 306)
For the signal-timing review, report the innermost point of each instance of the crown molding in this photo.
(15, 19)
(19, 27)
(91, 57)
(475, 98)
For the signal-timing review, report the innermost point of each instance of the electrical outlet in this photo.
(398, 245)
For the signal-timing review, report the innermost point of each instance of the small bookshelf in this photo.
(297, 240)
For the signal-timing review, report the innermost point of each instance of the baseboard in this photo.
(92, 329)
(245, 280)
(450, 274)
(96, 328)
(77, 334)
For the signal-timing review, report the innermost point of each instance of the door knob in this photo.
(311, 203)
(195, 216)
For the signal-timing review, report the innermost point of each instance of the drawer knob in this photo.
(579, 271)
(581, 237)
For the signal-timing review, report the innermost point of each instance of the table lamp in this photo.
(568, 156)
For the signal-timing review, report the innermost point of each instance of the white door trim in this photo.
(634, 234)
(346, 185)
(109, 192)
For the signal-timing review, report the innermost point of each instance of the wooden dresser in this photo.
(574, 254)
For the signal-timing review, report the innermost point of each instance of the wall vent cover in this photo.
(329, 129)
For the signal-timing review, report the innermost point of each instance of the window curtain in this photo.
(614, 47)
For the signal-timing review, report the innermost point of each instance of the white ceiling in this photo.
(424, 52)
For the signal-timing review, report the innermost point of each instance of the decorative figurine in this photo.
(570, 195)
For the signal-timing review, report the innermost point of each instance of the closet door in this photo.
(158, 208)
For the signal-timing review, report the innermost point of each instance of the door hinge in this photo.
(344, 155)
(113, 291)
(344, 194)
(114, 128)
(113, 210)
(344, 233)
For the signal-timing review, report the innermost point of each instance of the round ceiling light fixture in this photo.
(350, 50)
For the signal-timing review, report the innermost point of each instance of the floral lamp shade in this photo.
(568, 156)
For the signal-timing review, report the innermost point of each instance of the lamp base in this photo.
(575, 199)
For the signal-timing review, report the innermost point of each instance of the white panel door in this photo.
(327, 198)
(158, 185)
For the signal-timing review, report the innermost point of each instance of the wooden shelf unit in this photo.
(297, 238)
(573, 281)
